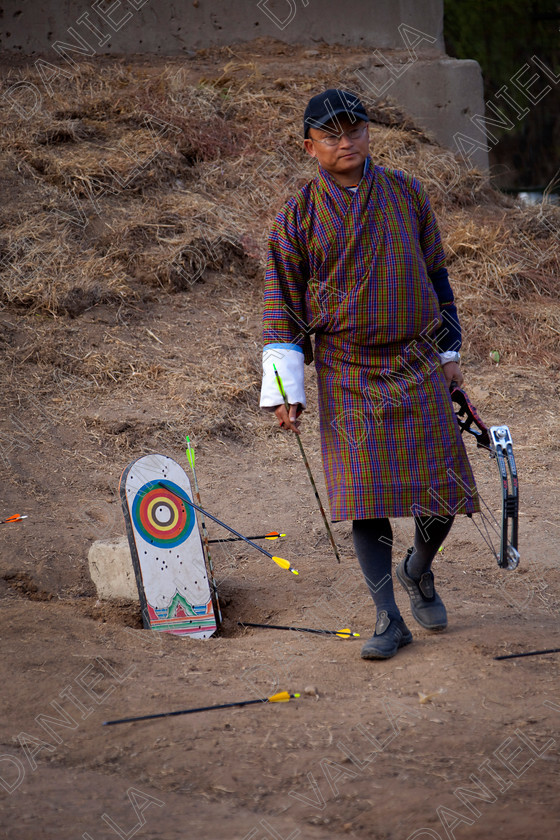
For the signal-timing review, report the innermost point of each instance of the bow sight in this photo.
(497, 441)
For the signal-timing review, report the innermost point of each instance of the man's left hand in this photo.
(452, 373)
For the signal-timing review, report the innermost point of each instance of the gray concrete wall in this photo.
(404, 37)
(170, 27)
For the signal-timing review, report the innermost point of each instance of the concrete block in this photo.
(441, 94)
(111, 570)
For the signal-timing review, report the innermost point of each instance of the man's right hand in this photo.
(289, 421)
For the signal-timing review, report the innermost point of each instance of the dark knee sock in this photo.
(429, 535)
(373, 541)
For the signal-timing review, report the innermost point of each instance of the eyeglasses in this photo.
(334, 139)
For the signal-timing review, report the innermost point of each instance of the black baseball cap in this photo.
(325, 106)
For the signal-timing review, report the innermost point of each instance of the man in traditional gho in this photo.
(355, 257)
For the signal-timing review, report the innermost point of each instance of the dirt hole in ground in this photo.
(123, 613)
(25, 586)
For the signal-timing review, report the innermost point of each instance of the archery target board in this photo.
(166, 549)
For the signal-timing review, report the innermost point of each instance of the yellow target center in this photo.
(163, 513)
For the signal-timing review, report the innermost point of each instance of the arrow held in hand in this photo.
(308, 468)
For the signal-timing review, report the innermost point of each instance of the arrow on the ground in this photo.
(16, 517)
(528, 653)
(281, 697)
(345, 633)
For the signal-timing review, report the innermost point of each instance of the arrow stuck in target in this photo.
(191, 458)
(284, 564)
(272, 535)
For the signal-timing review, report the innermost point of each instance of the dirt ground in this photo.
(441, 741)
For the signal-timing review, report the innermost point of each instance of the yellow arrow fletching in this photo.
(346, 633)
(273, 535)
(285, 564)
(281, 697)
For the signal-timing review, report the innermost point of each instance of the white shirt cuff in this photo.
(289, 362)
(449, 356)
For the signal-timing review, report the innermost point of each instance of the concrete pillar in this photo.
(440, 94)
(111, 570)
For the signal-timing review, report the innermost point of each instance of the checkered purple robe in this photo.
(354, 269)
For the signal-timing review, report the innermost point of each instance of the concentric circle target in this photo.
(160, 516)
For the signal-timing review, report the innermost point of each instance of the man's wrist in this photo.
(450, 356)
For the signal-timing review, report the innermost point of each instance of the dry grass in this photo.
(42, 271)
(135, 181)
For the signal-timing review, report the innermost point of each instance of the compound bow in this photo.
(497, 441)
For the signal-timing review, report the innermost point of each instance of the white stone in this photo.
(111, 570)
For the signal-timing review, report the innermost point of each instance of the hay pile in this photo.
(135, 179)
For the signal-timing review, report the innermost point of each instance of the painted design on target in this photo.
(159, 515)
